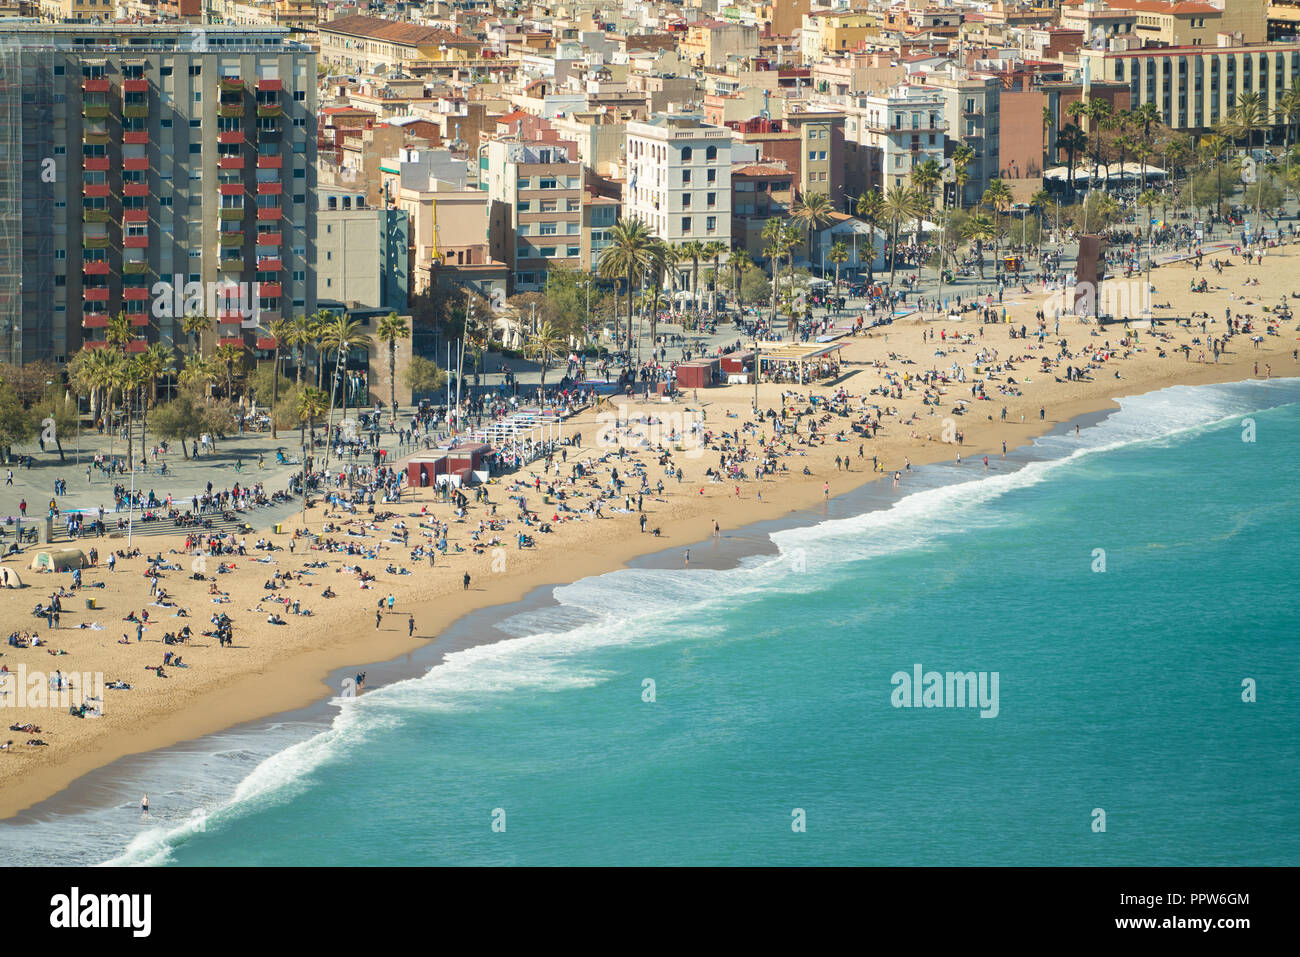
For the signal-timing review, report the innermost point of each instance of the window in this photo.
(165, 201)
(58, 71)
(196, 123)
(523, 205)
(711, 200)
(299, 275)
(712, 176)
(687, 154)
(686, 224)
(300, 197)
(573, 251)
(198, 96)
(166, 123)
(300, 173)
(299, 121)
(60, 254)
(546, 182)
(711, 223)
(548, 252)
(165, 71)
(547, 229)
(196, 69)
(686, 177)
(196, 148)
(711, 153)
(686, 200)
(300, 95)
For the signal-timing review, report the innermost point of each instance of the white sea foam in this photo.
(623, 607)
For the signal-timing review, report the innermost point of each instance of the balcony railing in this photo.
(138, 318)
(95, 112)
(231, 162)
(135, 162)
(232, 214)
(135, 242)
(230, 111)
(135, 86)
(268, 110)
(94, 215)
(137, 111)
(136, 137)
(274, 161)
(265, 85)
(135, 215)
(94, 86)
(270, 290)
(269, 264)
(95, 190)
(134, 269)
(269, 239)
(229, 264)
(94, 242)
(137, 345)
(99, 163)
(231, 341)
(270, 212)
(231, 239)
(231, 84)
(95, 294)
(135, 293)
(95, 320)
(270, 189)
(95, 268)
(231, 189)
(230, 136)
(135, 189)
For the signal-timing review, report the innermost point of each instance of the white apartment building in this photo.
(902, 127)
(679, 178)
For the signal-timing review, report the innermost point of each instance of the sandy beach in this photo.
(273, 668)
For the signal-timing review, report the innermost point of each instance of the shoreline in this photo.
(275, 671)
(299, 687)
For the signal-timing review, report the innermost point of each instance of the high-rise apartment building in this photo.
(539, 185)
(146, 167)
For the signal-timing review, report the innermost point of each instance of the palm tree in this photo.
(962, 157)
(626, 257)
(660, 261)
(1097, 112)
(979, 229)
(155, 363)
(1287, 112)
(998, 198)
(546, 344)
(715, 250)
(301, 334)
(340, 335)
(1041, 200)
(839, 254)
(793, 240)
(391, 328)
(774, 235)
(739, 261)
(311, 403)
(228, 354)
(200, 371)
(870, 208)
(901, 204)
(1149, 198)
(925, 177)
(319, 320)
(279, 331)
(812, 211)
(1248, 116)
(194, 325)
(1049, 123)
(1074, 142)
(693, 250)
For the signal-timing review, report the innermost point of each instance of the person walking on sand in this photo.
(826, 490)
(379, 616)
(716, 529)
(688, 556)
(466, 581)
(410, 626)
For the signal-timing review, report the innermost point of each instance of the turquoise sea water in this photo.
(1118, 690)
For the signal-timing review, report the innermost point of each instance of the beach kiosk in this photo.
(465, 459)
(698, 374)
(422, 471)
(737, 366)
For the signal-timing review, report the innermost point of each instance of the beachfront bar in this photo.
(801, 355)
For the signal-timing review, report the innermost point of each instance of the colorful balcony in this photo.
(94, 344)
(95, 294)
(231, 162)
(270, 239)
(94, 86)
(94, 242)
(229, 317)
(268, 86)
(136, 137)
(94, 215)
(230, 111)
(134, 269)
(135, 242)
(136, 163)
(231, 84)
(231, 264)
(91, 138)
(270, 213)
(135, 215)
(231, 239)
(136, 111)
(95, 320)
(95, 267)
(95, 191)
(230, 137)
(95, 111)
(270, 189)
(266, 342)
(269, 110)
(135, 293)
(231, 341)
(273, 161)
(138, 318)
(270, 290)
(269, 264)
(135, 189)
(232, 214)
(135, 86)
(231, 189)
(137, 345)
(97, 163)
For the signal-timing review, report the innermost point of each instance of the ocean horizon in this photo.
(1079, 657)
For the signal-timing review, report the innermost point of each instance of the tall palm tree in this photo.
(793, 240)
(739, 261)
(546, 344)
(660, 260)
(1287, 112)
(340, 335)
(301, 334)
(812, 211)
(1097, 111)
(838, 255)
(901, 203)
(1074, 142)
(979, 229)
(998, 198)
(279, 332)
(870, 208)
(715, 250)
(1248, 117)
(1212, 147)
(194, 325)
(693, 250)
(391, 328)
(200, 371)
(320, 319)
(227, 355)
(311, 403)
(155, 363)
(626, 257)
(1041, 200)
(775, 236)
(962, 157)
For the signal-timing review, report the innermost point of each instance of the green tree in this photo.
(340, 335)
(424, 376)
(545, 344)
(391, 328)
(626, 257)
(838, 255)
